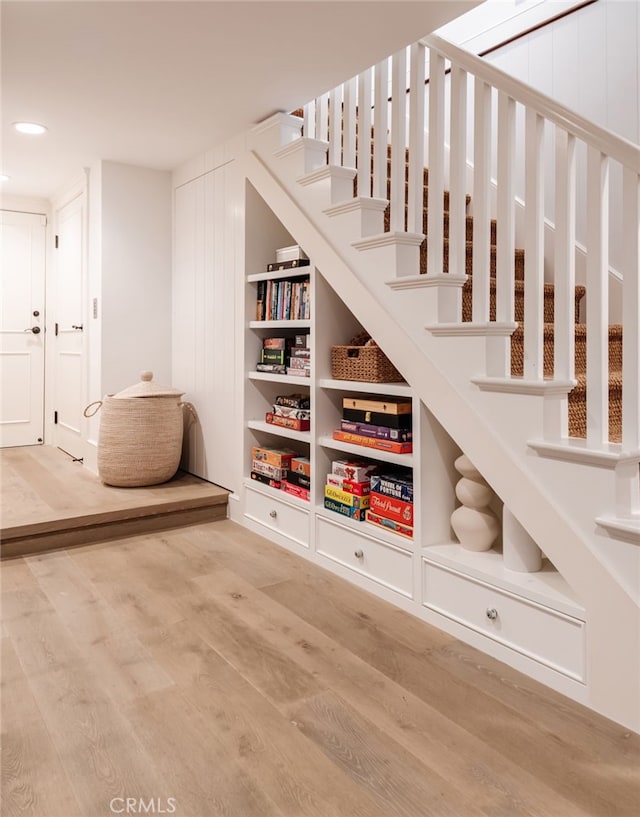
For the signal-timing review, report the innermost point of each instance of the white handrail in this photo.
(614, 146)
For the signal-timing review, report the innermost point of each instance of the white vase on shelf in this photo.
(474, 523)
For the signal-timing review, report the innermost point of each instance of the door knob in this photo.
(34, 329)
(75, 326)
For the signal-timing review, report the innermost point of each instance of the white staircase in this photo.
(578, 498)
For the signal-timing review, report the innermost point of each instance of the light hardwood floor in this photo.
(213, 673)
(47, 500)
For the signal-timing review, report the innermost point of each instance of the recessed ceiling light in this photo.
(4, 177)
(32, 128)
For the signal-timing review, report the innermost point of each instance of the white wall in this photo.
(135, 274)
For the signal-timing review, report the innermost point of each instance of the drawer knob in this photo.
(358, 554)
(273, 514)
(492, 613)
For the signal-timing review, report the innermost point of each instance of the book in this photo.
(287, 422)
(400, 435)
(279, 356)
(301, 341)
(276, 343)
(289, 411)
(378, 418)
(393, 485)
(301, 465)
(388, 524)
(298, 372)
(355, 470)
(373, 442)
(391, 508)
(265, 480)
(300, 401)
(293, 263)
(267, 470)
(348, 485)
(389, 405)
(352, 500)
(280, 457)
(296, 490)
(346, 510)
(272, 368)
(301, 480)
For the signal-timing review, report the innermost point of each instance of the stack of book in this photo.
(391, 503)
(283, 300)
(274, 355)
(300, 357)
(270, 465)
(298, 481)
(384, 424)
(348, 488)
(291, 411)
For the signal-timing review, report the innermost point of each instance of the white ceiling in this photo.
(157, 82)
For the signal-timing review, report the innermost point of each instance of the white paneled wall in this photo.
(203, 358)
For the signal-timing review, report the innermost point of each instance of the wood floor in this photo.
(47, 500)
(204, 671)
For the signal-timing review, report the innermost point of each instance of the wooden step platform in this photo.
(48, 501)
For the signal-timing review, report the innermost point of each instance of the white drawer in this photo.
(546, 635)
(386, 564)
(278, 515)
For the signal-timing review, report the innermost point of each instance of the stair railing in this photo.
(482, 132)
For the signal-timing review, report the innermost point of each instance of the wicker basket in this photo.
(140, 441)
(365, 363)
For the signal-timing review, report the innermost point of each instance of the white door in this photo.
(22, 259)
(68, 358)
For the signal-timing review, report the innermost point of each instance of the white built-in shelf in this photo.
(280, 274)
(364, 452)
(279, 431)
(280, 378)
(276, 493)
(280, 324)
(392, 389)
(546, 586)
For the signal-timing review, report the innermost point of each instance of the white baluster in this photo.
(534, 247)
(380, 129)
(309, 119)
(322, 117)
(398, 139)
(335, 126)
(364, 133)
(435, 217)
(416, 138)
(597, 242)
(481, 210)
(631, 311)
(349, 124)
(564, 260)
(458, 173)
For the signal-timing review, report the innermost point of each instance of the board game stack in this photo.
(298, 481)
(271, 466)
(274, 355)
(348, 486)
(291, 411)
(384, 424)
(391, 503)
(300, 357)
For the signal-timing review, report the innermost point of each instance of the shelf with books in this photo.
(279, 378)
(279, 431)
(392, 389)
(361, 452)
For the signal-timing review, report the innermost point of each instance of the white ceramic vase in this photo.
(474, 523)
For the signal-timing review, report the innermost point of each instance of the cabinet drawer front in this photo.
(386, 564)
(545, 635)
(279, 516)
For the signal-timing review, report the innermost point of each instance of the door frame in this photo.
(78, 189)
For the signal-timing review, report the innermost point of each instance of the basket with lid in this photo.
(141, 429)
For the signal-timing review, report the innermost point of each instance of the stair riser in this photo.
(518, 303)
(615, 353)
(518, 261)
(578, 413)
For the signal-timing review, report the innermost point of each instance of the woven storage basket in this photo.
(366, 363)
(140, 441)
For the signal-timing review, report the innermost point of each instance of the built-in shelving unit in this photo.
(531, 620)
